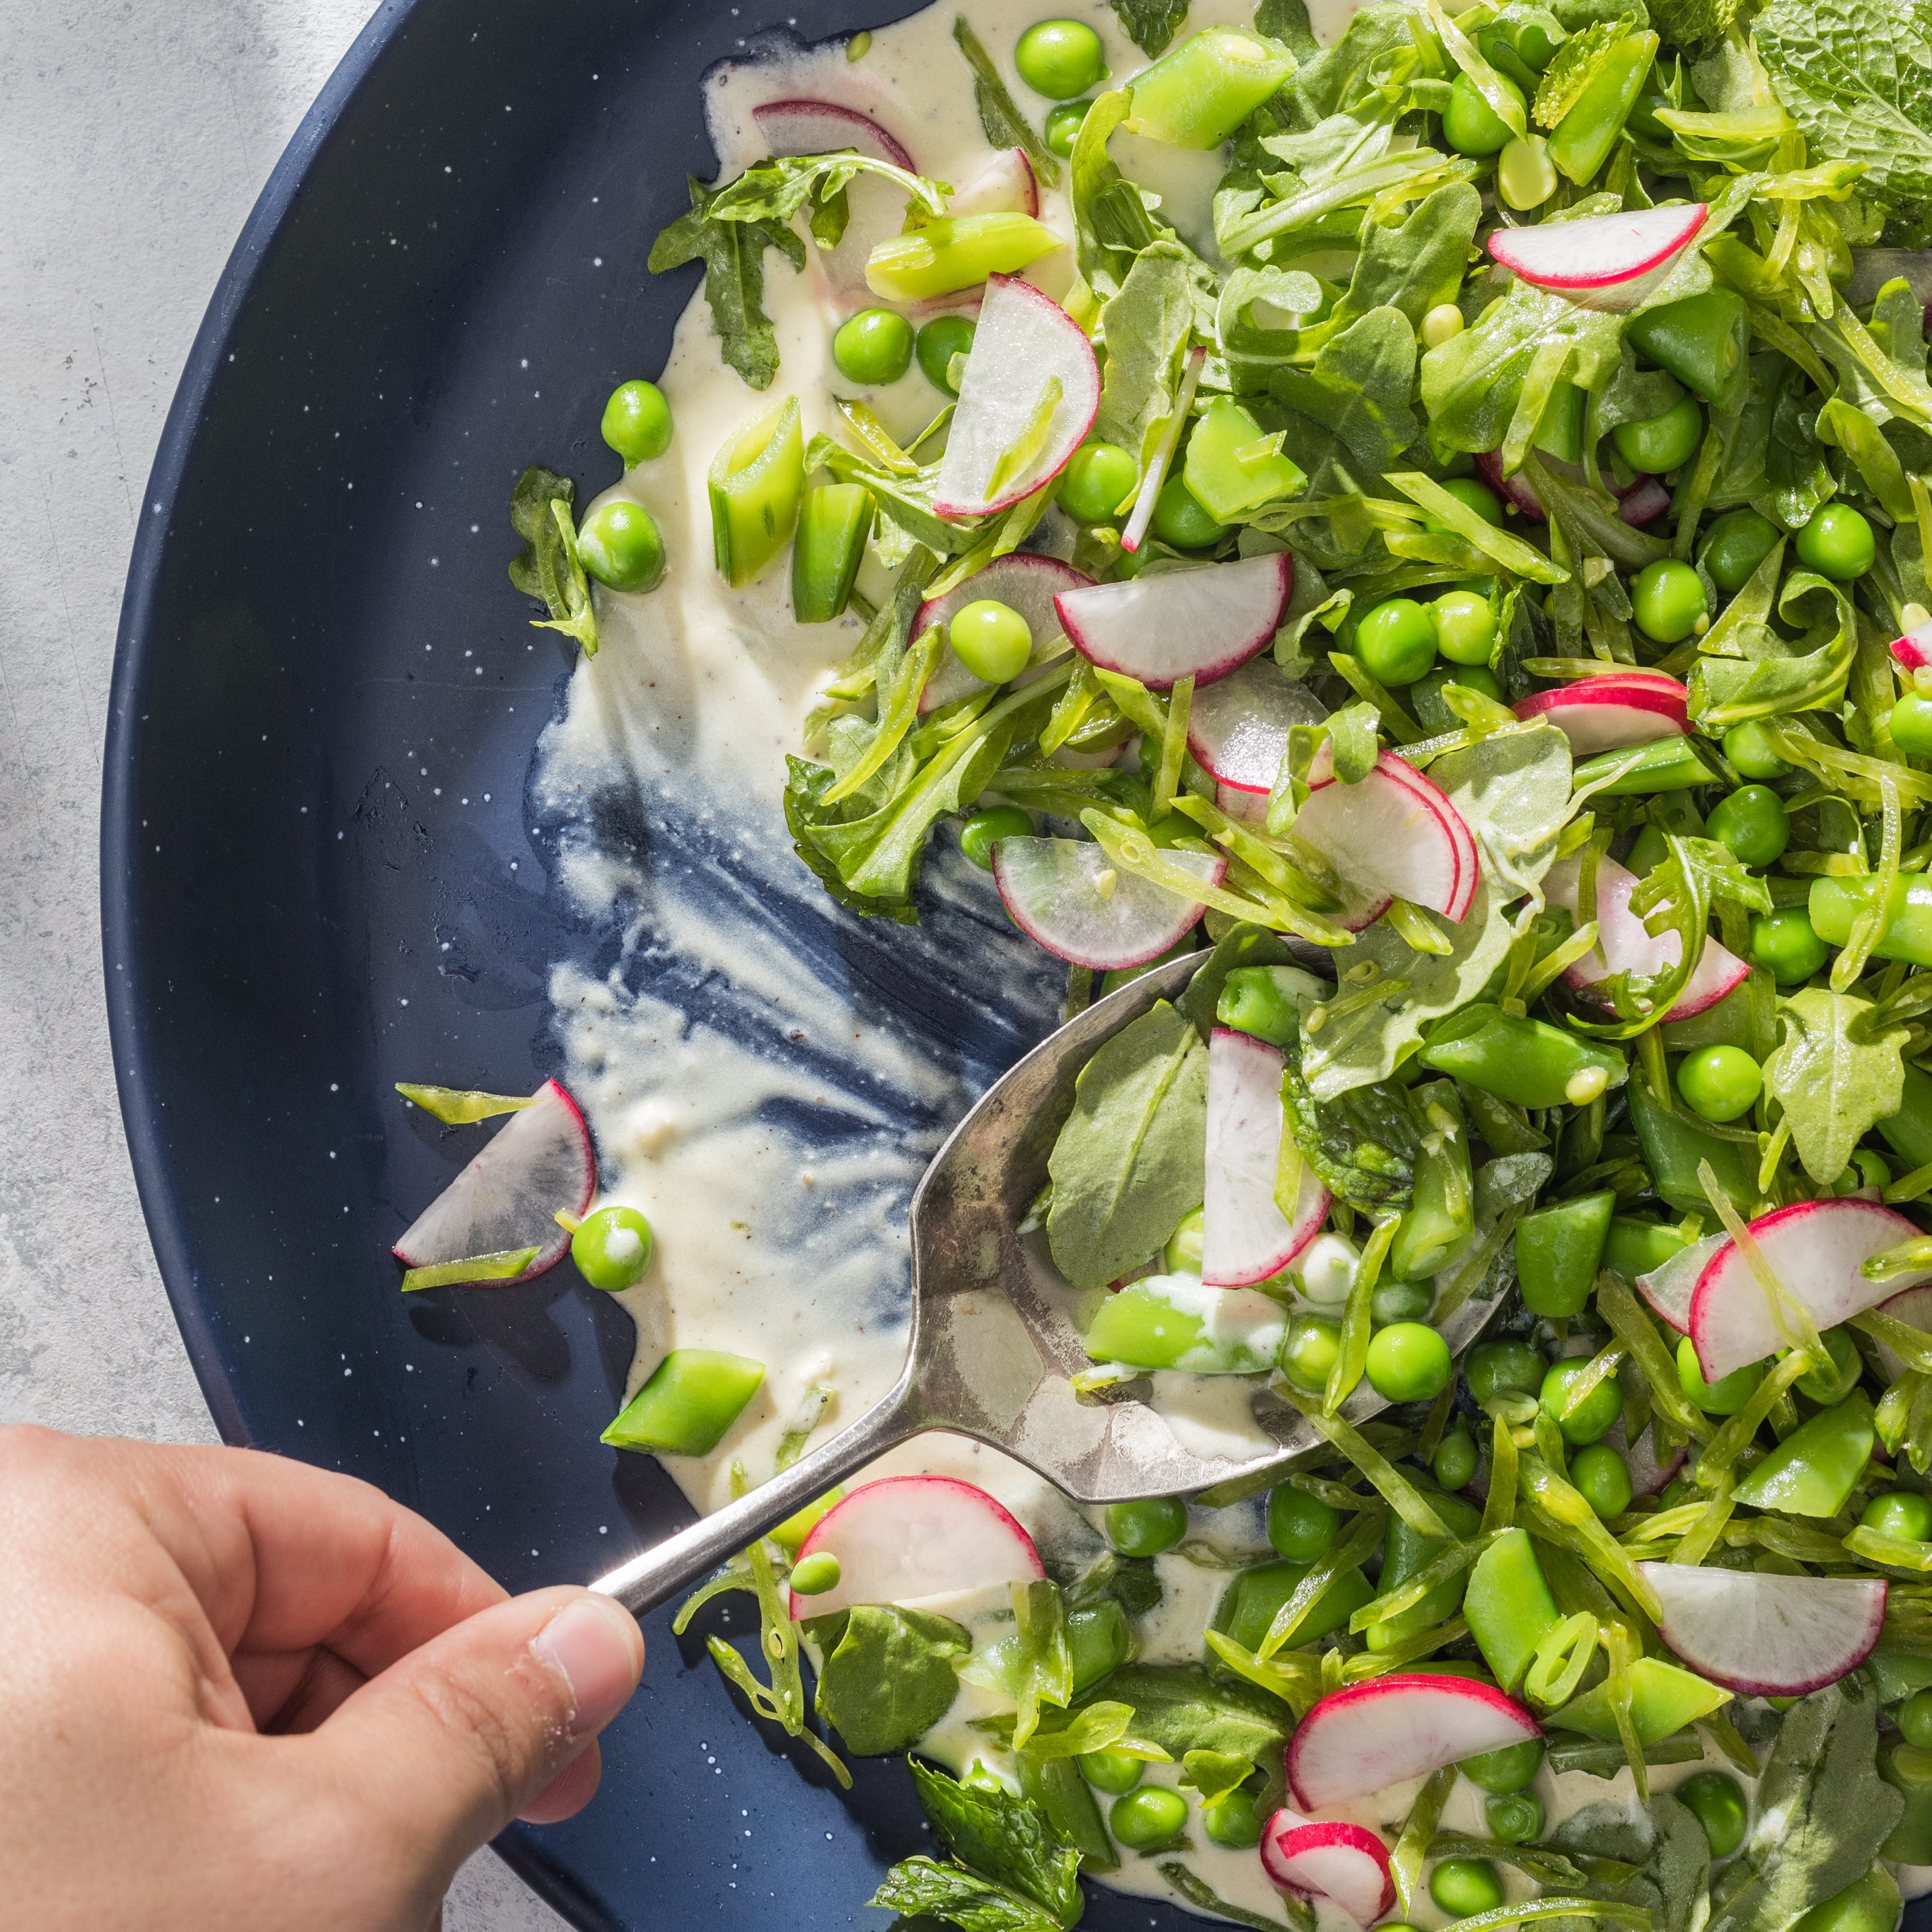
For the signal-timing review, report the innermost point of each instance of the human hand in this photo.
(239, 1692)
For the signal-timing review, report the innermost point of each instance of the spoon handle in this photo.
(669, 1568)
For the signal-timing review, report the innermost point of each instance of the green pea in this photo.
(1233, 1821)
(1668, 599)
(816, 1574)
(1180, 519)
(1408, 1361)
(1873, 1171)
(1869, 1904)
(1504, 1368)
(1784, 943)
(1463, 1887)
(1753, 823)
(1915, 1719)
(1748, 748)
(1837, 1380)
(1515, 1821)
(1396, 641)
(1111, 1771)
(1724, 1396)
(1062, 126)
(1473, 494)
(1603, 1478)
(1471, 125)
(1465, 628)
(1720, 1082)
(1737, 544)
(1525, 175)
(1099, 478)
(937, 342)
(1677, 1493)
(1717, 1801)
(612, 1248)
(1593, 1416)
(1146, 1529)
(1146, 1820)
(619, 545)
(1061, 58)
(1442, 323)
(1396, 1301)
(1309, 1352)
(1911, 725)
(1664, 443)
(1183, 1252)
(1301, 1527)
(637, 422)
(874, 347)
(1507, 1770)
(1902, 1513)
(1837, 543)
(1455, 1464)
(977, 835)
(991, 639)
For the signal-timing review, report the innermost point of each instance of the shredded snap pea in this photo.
(1355, 1548)
(1396, 1490)
(1418, 1831)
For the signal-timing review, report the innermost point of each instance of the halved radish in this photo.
(1814, 1248)
(1669, 1289)
(1638, 503)
(1237, 727)
(1024, 339)
(1407, 1724)
(1392, 834)
(1006, 185)
(1914, 1308)
(905, 1536)
(1613, 711)
(1200, 623)
(1347, 1865)
(876, 207)
(539, 1164)
(1603, 261)
(1245, 1236)
(1914, 650)
(1766, 1635)
(1623, 944)
(1067, 894)
(1024, 583)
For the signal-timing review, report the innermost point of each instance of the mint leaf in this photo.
(1692, 25)
(1287, 21)
(1000, 119)
(733, 255)
(917, 1888)
(1005, 1839)
(1834, 1078)
(1151, 24)
(889, 1675)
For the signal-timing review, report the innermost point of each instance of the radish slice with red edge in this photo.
(1369, 1735)
(1202, 623)
(1244, 807)
(1245, 1238)
(1914, 1308)
(1766, 1635)
(1669, 1289)
(1624, 944)
(1022, 582)
(1237, 727)
(1345, 1863)
(876, 207)
(1611, 713)
(1814, 1248)
(1914, 650)
(1604, 261)
(1392, 834)
(1638, 503)
(905, 1538)
(1643, 503)
(1068, 895)
(1006, 185)
(538, 1164)
(1024, 339)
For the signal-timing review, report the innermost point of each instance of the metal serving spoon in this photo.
(993, 1343)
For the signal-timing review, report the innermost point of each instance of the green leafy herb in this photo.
(1835, 1075)
(1151, 24)
(1005, 1839)
(889, 1675)
(1202, 1896)
(1000, 117)
(920, 1889)
(1349, 417)
(1179, 1707)
(1577, 62)
(1363, 1142)
(1146, 327)
(548, 566)
(733, 255)
(1692, 25)
(1034, 1665)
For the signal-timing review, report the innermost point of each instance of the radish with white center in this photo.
(877, 206)
(1814, 1248)
(1237, 727)
(1670, 1288)
(1374, 1734)
(1344, 1864)
(1068, 895)
(1914, 1308)
(1766, 1635)
(1611, 713)
(1006, 185)
(539, 1164)
(909, 1537)
(1245, 1236)
(1030, 393)
(1203, 624)
(1022, 582)
(1243, 806)
(1604, 261)
(1624, 945)
(1914, 650)
(1393, 834)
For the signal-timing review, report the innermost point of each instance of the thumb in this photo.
(453, 1740)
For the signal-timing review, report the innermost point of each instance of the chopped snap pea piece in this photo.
(692, 1397)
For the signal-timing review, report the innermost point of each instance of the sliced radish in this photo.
(1611, 713)
(1603, 261)
(1914, 1308)
(876, 207)
(1407, 1724)
(906, 1537)
(1392, 834)
(1024, 583)
(1006, 185)
(539, 1165)
(1624, 946)
(1669, 1288)
(1347, 1865)
(1814, 1248)
(1648, 1475)
(1067, 894)
(1237, 727)
(1914, 650)
(1024, 339)
(1244, 807)
(1638, 503)
(1763, 1635)
(1201, 624)
(1643, 503)
(1245, 1236)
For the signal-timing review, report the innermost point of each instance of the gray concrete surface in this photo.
(134, 141)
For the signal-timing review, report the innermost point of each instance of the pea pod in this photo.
(756, 481)
(1813, 1470)
(1442, 1216)
(1509, 1606)
(1522, 1061)
(955, 252)
(1703, 340)
(1405, 1553)
(833, 524)
(1908, 1770)
(1634, 1247)
(1255, 1598)
(1675, 1147)
(1834, 905)
(1664, 1698)
(1172, 1321)
(693, 1397)
(1665, 764)
(1585, 135)
(1198, 94)
(1231, 466)
(1559, 1250)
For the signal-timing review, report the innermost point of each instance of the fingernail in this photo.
(593, 1644)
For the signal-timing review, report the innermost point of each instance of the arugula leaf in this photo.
(1835, 1075)
(1349, 418)
(1146, 327)
(734, 254)
(889, 1675)
(1004, 1838)
(1362, 1142)
(1181, 1709)
(1111, 220)
(1130, 1161)
(1287, 21)
(1151, 24)
(1035, 1665)
(1419, 265)
(919, 1888)
(1000, 119)
(548, 566)
(775, 190)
